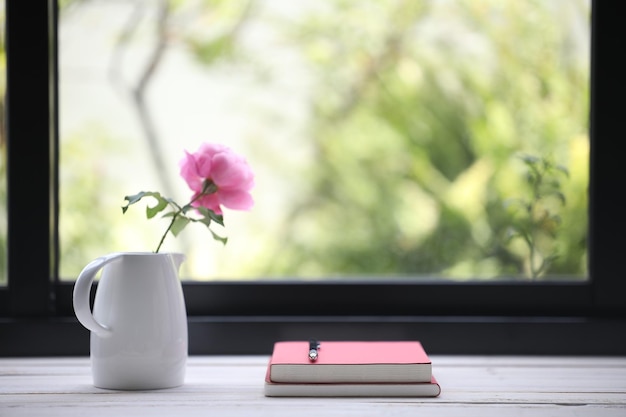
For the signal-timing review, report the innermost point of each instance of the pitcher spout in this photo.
(178, 259)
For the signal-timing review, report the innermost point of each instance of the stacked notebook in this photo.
(350, 369)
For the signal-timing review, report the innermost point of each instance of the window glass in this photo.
(3, 158)
(444, 139)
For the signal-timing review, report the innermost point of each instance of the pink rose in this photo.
(218, 165)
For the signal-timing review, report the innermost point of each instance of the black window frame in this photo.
(36, 316)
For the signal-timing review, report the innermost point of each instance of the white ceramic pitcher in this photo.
(139, 321)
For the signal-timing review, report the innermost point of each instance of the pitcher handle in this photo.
(82, 289)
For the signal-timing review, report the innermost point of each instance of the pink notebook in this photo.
(390, 389)
(351, 361)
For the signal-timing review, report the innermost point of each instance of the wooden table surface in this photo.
(233, 386)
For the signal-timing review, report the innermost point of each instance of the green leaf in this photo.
(558, 195)
(172, 203)
(556, 218)
(205, 221)
(217, 218)
(179, 224)
(160, 206)
(529, 159)
(563, 170)
(132, 199)
(211, 215)
(218, 237)
(551, 258)
(210, 51)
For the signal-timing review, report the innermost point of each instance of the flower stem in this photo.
(208, 188)
(167, 231)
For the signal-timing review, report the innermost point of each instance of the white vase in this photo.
(139, 321)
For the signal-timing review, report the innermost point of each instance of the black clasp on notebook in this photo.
(314, 347)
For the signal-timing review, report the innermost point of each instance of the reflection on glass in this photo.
(442, 139)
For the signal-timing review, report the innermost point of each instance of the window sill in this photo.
(245, 335)
(233, 386)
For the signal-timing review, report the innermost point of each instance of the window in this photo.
(380, 150)
(495, 317)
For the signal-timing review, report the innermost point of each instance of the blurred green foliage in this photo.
(426, 120)
(87, 223)
(420, 114)
(536, 220)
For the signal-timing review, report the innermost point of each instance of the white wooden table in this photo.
(233, 386)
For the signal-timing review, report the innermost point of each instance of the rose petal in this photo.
(211, 149)
(231, 171)
(228, 171)
(210, 201)
(189, 172)
(236, 199)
